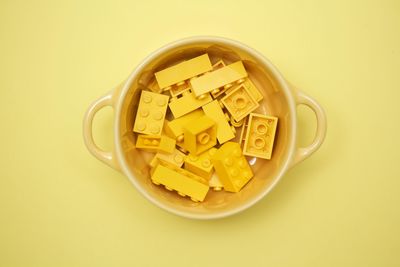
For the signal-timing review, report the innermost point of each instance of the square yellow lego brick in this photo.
(187, 103)
(183, 71)
(201, 164)
(218, 78)
(177, 158)
(174, 128)
(154, 143)
(180, 180)
(251, 88)
(151, 113)
(239, 103)
(231, 166)
(260, 136)
(200, 135)
(224, 130)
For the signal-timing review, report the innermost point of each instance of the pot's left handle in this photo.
(104, 156)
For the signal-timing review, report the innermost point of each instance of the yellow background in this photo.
(59, 206)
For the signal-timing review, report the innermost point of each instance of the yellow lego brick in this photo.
(224, 131)
(260, 135)
(177, 158)
(154, 143)
(201, 164)
(239, 103)
(187, 103)
(200, 135)
(183, 71)
(180, 180)
(218, 78)
(174, 128)
(215, 183)
(151, 113)
(231, 167)
(251, 88)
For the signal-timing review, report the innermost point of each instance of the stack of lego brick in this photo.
(195, 148)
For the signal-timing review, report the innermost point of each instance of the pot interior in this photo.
(275, 103)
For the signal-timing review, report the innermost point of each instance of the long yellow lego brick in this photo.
(174, 128)
(187, 103)
(224, 131)
(153, 143)
(180, 180)
(183, 71)
(177, 158)
(260, 136)
(218, 78)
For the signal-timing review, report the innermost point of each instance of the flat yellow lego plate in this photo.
(187, 103)
(180, 180)
(201, 164)
(177, 158)
(239, 102)
(231, 166)
(183, 71)
(218, 78)
(153, 143)
(224, 131)
(151, 113)
(260, 136)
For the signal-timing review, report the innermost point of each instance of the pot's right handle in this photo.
(304, 152)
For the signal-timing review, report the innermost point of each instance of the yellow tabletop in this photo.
(59, 206)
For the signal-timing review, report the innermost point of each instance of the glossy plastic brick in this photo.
(253, 90)
(177, 158)
(200, 135)
(224, 130)
(183, 71)
(260, 135)
(187, 103)
(239, 103)
(219, 78)
(151, 113)
(180, 180)
(201, 164)
(174, 128)
(215, 183)
(153, 143)
(231, 167)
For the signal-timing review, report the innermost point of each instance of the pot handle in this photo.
(104, 156)
(302, 153)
